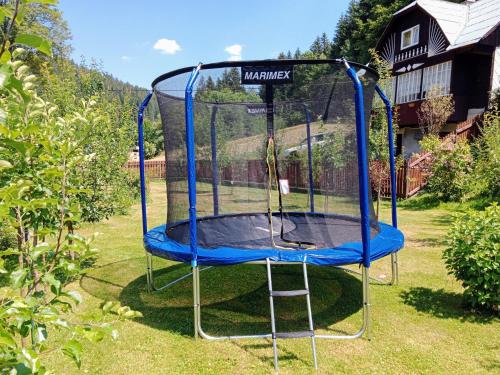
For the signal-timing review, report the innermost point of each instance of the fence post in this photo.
(406, 167)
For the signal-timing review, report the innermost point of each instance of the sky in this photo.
(136, 41)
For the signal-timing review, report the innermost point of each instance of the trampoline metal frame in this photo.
(198, 329)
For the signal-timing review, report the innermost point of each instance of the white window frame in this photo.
(408, 89)
(414, 36)
(437, 77)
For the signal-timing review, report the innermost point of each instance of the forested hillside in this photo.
(47, 21)
(67, 84)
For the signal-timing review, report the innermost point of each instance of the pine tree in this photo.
(231, 80)
(210, 85)
(325, 44)
(316, 47)
(360, 27)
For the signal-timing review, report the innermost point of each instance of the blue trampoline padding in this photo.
(387, 241)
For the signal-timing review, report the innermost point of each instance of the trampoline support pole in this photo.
(191, 163)
(140, 131)
(392, 165)
(215, 166)
(309, 159)
(363, 178)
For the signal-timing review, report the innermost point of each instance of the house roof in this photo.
(483, 16)
(463, 23)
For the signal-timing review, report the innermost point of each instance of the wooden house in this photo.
(451, 48)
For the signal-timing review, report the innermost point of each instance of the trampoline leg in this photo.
(366, 326)
(366, 303)
(394, 269)
(149, 272)
(196, 301)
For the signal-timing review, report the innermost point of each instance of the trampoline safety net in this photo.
(276, 155)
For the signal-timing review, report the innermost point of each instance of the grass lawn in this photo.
(418, 326)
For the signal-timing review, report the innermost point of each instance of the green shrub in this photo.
(473, 256)
(450, 169)
(485, 179)
(8, 238)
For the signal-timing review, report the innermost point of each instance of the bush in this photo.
(450, 168)
(435, 111)
(473, 256)
(42, 154)
(485, 179)
(8, 237)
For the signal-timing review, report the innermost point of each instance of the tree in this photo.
(112, 189)
(484, 180)
(45, 26)
(358, 30)
(316, 46)
(451, 164)
(378, 136)
(361, 26)
(434, 112)
(46, 21)
(321, 46)
(230, 80)
(153, 138)
(41, 156)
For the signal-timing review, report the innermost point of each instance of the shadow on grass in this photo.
(235, 299)
(420, 202)
(249, 200)
(492, 364)
(443, 220)
(429, 241)
(481, 203)
(442, 304)
(284, 353)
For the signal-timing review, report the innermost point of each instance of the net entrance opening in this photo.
(276, 155)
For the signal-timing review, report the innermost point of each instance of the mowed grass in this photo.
(418, 326)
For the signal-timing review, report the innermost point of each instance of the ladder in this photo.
(290, 293)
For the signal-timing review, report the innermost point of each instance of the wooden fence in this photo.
(154, 168)
(411, 177)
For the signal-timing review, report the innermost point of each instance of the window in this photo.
(436, 80)
(409, 37)
(409, 86)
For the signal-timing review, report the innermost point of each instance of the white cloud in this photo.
(126, 58)
(167, 46)
(234, 52)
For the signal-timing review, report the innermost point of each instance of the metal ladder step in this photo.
(289, 293)
(294, 335)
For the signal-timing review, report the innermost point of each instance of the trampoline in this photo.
(230, 239)
(267, 162)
